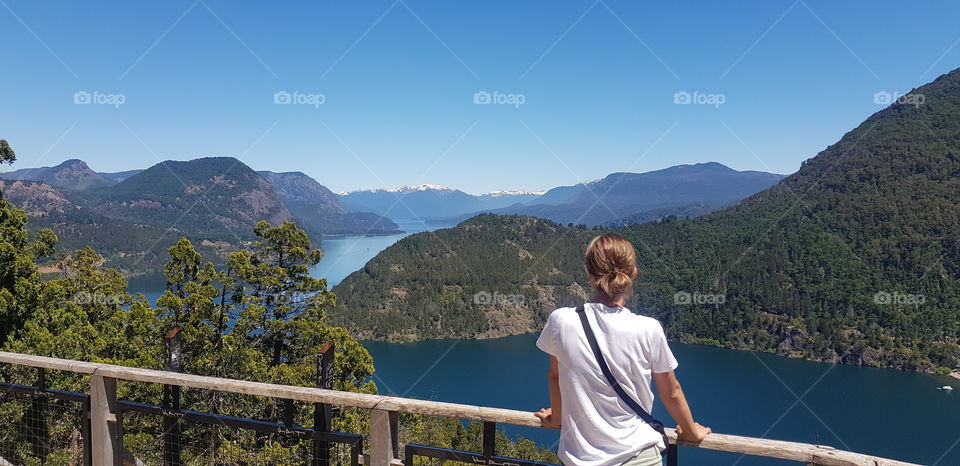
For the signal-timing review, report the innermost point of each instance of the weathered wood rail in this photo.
(108, 448)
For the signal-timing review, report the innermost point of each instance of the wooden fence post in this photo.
(383, 437)
(322, 414)
(172, 349)
(105, 423)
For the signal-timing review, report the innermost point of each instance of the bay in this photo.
(343, 255)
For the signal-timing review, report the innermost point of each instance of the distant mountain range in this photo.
(855, 258)
(617, 199)
(429, 202)
(682, 190)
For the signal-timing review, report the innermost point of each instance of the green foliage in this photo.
(20, 290)
(7, 155)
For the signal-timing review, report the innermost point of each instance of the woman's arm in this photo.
(550, 417)
(671, 395)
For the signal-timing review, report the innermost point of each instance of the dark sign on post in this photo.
(172, 347)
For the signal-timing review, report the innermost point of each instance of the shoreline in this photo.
(347, 235)
(954, 374)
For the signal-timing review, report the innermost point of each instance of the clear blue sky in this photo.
(398, 79)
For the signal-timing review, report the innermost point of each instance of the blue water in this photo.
(882, 412)
(342, 255)
(347, 254)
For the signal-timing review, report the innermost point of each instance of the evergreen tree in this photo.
(6, 152)
(20, 287)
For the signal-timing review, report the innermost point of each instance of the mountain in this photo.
(428, 201)
(117, 177)
(855, 258)
(71, 174)
(670, 191)
(318, 209)
(297, 186)
(215, 202)
(216, 196)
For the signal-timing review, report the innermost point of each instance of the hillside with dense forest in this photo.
(855, 258)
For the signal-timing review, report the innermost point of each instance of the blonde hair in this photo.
(611, 261)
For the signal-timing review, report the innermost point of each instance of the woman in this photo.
(596, 426)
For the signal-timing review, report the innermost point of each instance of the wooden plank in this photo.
(731, 443)
(802, 452)
(311, 394)
(78, 367)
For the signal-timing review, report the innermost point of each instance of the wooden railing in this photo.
(107, 445)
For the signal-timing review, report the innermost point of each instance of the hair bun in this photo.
(612, 261)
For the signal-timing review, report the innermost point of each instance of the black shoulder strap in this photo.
(657, 425)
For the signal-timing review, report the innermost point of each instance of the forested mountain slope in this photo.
(854, 258)
(218, 196)
(214, 201)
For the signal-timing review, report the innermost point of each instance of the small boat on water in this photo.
(945, 387)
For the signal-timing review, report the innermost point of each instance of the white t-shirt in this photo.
(598, 428)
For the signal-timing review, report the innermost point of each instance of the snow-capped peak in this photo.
(585, 183)
(421, 187)
(512, 192)
(403, 189)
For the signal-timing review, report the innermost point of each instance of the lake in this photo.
(882, 412)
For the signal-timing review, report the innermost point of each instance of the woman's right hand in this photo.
(695, 434)
(547, 419)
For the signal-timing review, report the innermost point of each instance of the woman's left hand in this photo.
(547, 419)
